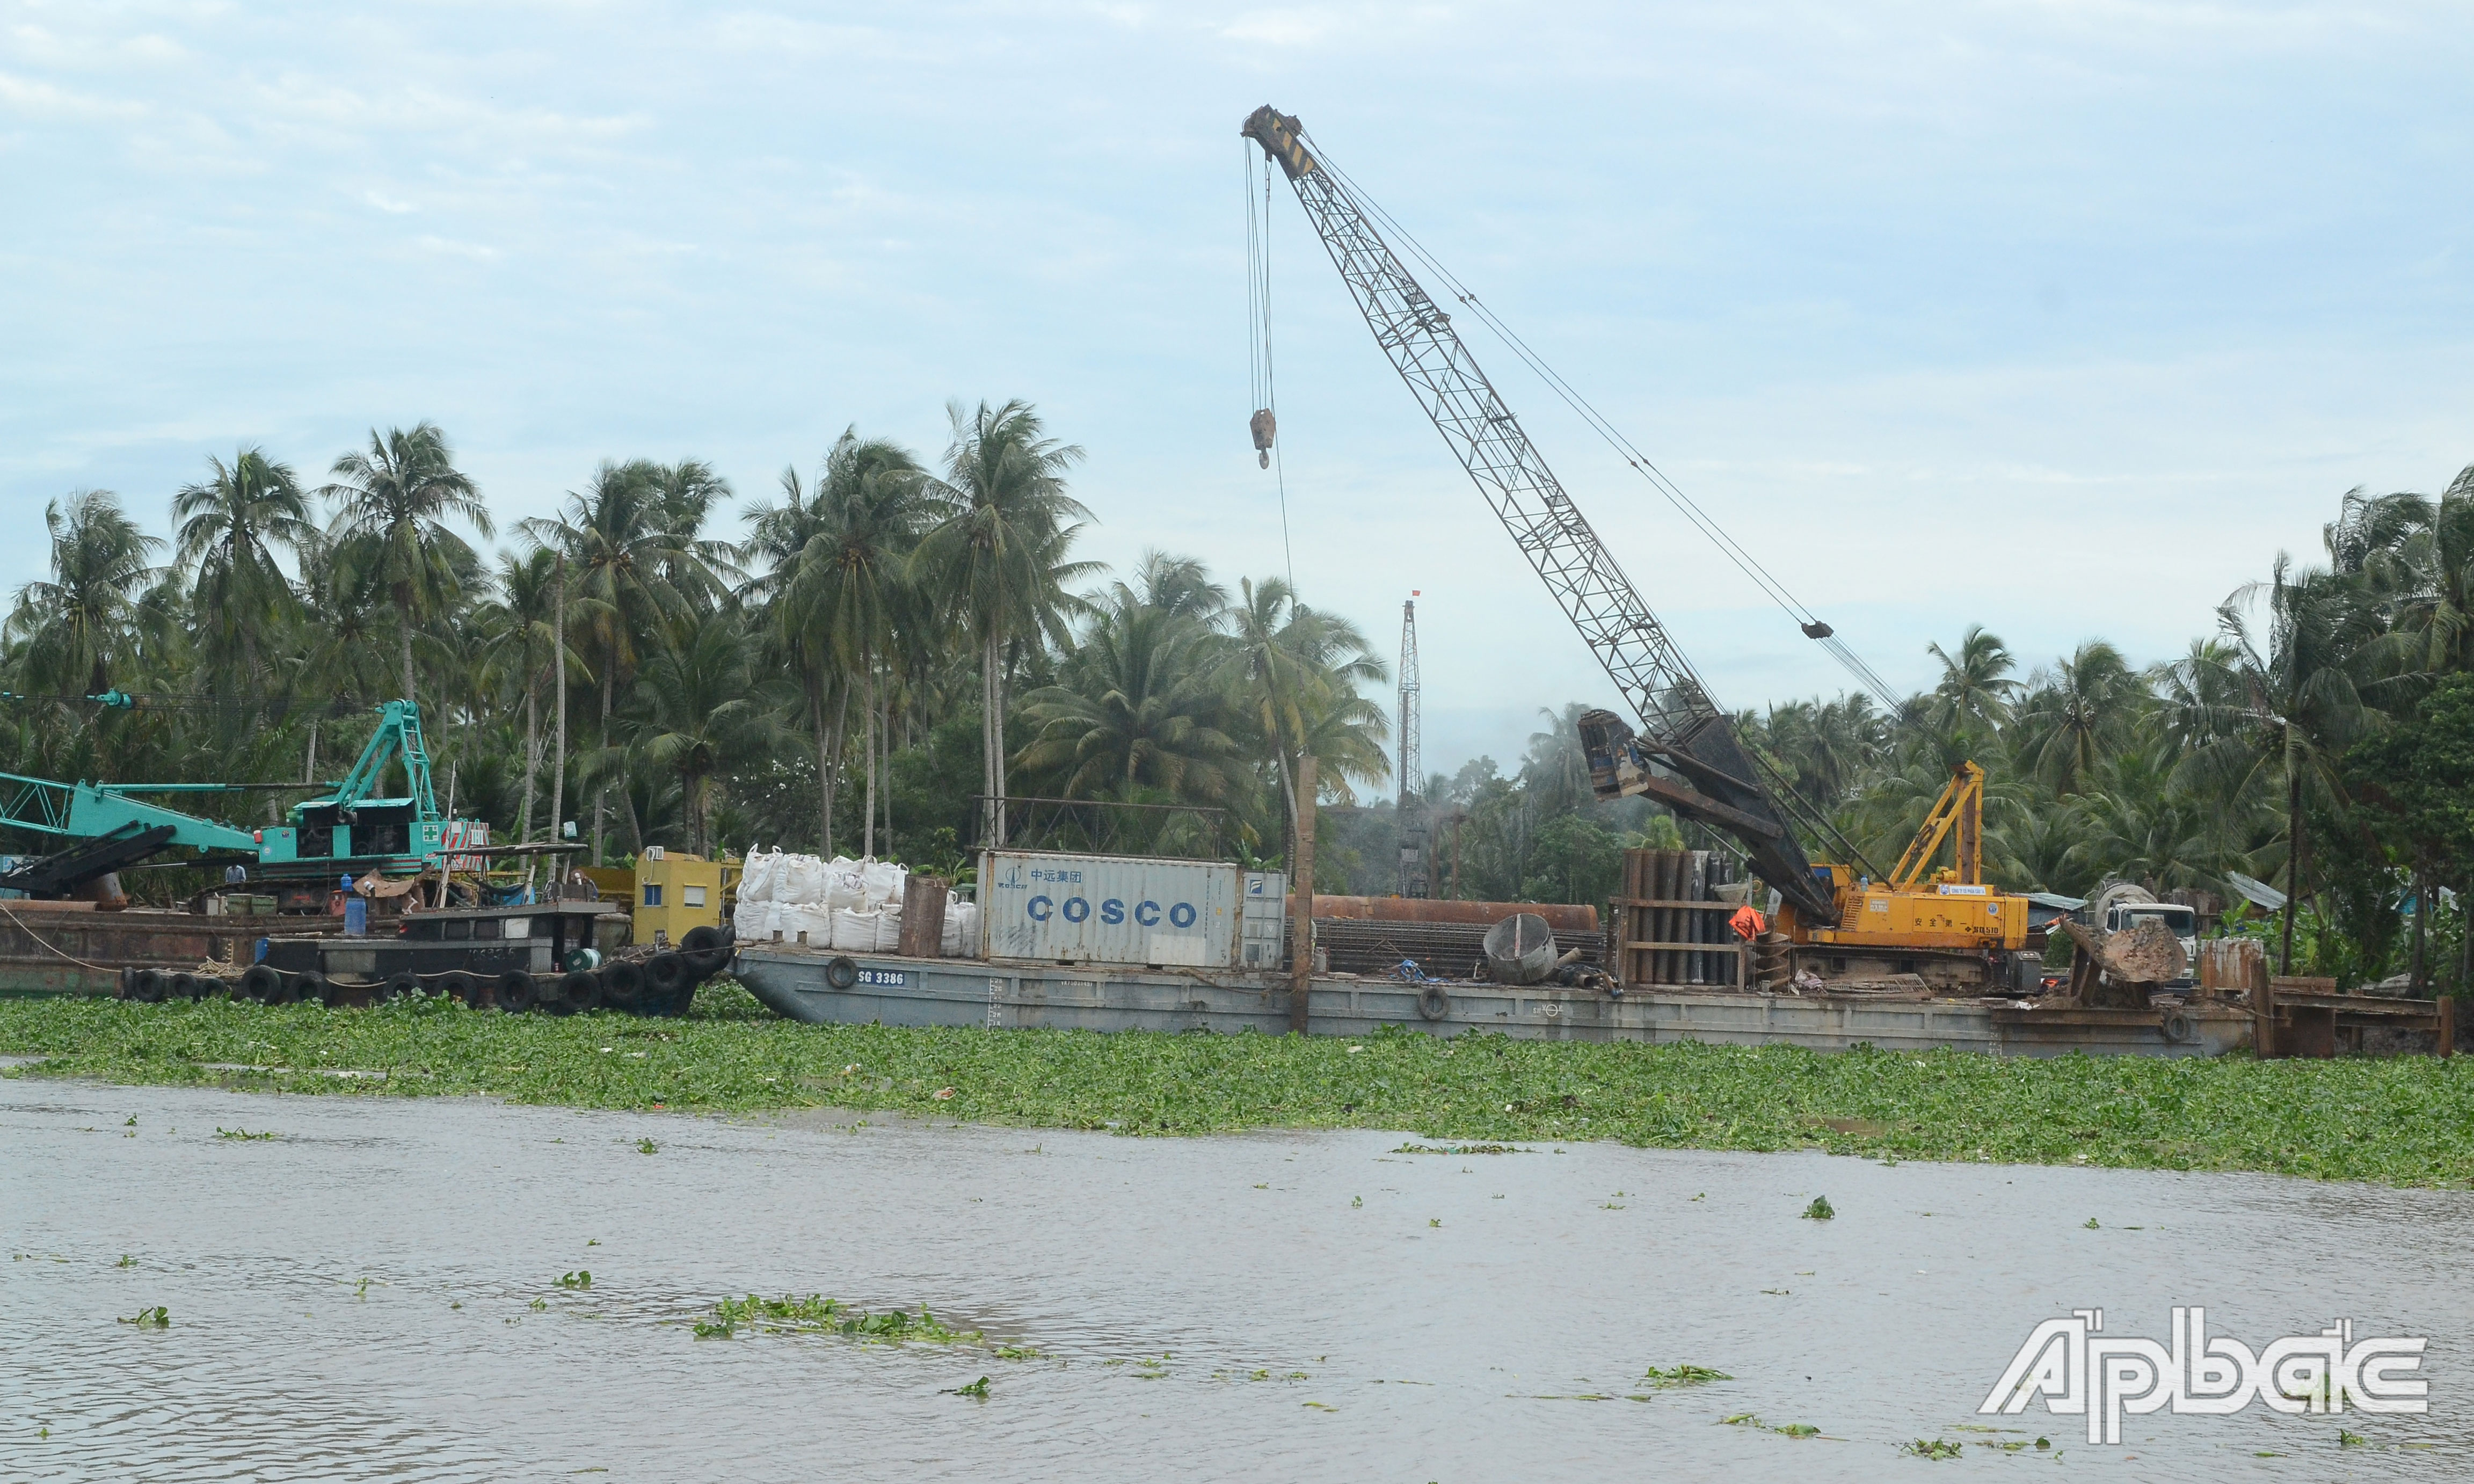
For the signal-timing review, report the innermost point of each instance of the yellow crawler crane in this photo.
(1941, 923)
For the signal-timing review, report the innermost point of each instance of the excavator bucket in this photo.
(1713, 784)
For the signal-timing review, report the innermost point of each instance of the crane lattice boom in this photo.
(1684, 730)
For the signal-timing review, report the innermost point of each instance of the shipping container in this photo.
(1131, 910)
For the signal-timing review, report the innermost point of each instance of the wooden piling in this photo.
(1301, 900)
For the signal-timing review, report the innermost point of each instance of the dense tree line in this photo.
(863, 661)
(2321, 740)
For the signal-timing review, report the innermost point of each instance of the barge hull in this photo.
(999, 995)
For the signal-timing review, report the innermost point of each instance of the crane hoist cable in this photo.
(1806, 621)
(1264, 424)
(1790, 798)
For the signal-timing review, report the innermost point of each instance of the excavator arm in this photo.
(1687, 756)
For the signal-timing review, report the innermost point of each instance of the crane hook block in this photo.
(1262, 425)
(1816, 629)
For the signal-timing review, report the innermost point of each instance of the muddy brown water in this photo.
(1448, 1313)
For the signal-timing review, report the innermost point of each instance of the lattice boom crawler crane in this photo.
(1947, 925)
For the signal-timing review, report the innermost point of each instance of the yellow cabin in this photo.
(675, 891)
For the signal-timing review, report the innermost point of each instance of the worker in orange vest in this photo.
(1747, 923)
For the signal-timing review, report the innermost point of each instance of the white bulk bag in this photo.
(888, 930)
(799, 918)
(843, 890)
(854, 932)
(802, 881)
(881, 881)
(756, 879)
(756, 920)
(965, 916)
(949, 943)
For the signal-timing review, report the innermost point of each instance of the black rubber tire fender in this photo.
(457, 984)
(262, 983)
(309, 986)
(2178, 1027)
(208, 985)
(706, 950)
(1433, 1003)
(147, 985)
(666, 974)
(622, 984)
(179, 987)
(578, 991)
(399, 987)
(516, 992)
(840, 972)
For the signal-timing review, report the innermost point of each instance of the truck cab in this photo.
(2181, 921)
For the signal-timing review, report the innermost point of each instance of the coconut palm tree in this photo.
(2303, 698)
(622, 554)
(851, 591)
(997, 556)
(230, 526)
(1134, 711)
(2417, 554)
(699, 705)
(684, 497)
(777, 539)
(81, 622)
(1975, 690)
(519, 633)
(2078, 716)
(393, 502)
(1295, 672)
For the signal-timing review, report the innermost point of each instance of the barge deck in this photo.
(891, 991)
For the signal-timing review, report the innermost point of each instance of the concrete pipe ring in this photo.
(1433, 1002)
(840, 972)
(2179, 1028)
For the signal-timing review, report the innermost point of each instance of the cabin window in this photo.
(694, 897)
(652, 895)
(487, 927)
(457, 929)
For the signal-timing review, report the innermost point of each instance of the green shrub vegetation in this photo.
(2404, 1121)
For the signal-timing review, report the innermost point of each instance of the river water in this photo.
(372, 1295)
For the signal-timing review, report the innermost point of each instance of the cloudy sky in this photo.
(2060, 317)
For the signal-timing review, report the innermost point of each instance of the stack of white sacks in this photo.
(845, 905)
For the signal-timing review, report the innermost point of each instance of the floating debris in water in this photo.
(1681, 1375)
(1820, 1209)
(156, 1318)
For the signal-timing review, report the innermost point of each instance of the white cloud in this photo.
(53, 102)
(387, 203)
(447, 247)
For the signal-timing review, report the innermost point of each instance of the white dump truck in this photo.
(2119, 906)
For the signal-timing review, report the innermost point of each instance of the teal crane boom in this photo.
(90, 810)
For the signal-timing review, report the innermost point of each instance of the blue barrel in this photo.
(356, 917)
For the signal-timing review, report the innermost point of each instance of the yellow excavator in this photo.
(1942, 923)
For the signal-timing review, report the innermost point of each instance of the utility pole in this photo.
(1301, 899)
(1410, 813)
(558, 681)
